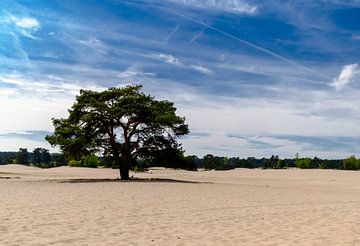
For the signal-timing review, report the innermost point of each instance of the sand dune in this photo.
(238, 207)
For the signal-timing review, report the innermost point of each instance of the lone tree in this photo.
(122, 123)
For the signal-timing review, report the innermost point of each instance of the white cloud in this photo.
(202, 69)
(346, 75)
(24, 26)
(233, 6)
(94, 44)
(50, 55)
(47, 88)
(26, 23)
(132, 72)
(168, 59)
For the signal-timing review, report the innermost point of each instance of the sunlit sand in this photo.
(81, 206)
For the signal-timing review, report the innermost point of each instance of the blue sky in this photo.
(252, 78)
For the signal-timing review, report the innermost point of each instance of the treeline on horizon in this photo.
(42, 158)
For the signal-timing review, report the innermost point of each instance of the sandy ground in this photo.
(238, 207)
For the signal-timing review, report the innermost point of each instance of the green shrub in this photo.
(90, 161)
(351, 163)
(303, 163)
(85, 161)
(74, 163)
(322, 165)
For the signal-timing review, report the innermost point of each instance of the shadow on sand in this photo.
(7, 177)
(132, 180)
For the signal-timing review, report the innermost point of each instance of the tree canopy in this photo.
(122, 123)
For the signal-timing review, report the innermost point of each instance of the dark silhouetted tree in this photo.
(22, 157)
(41, 157)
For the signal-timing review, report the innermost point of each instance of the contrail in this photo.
(196, 36)
(254, 46)
(172, 33)
(246, 42)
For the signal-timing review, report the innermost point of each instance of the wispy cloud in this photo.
(255, 81)
(202, 69)
(247, 43)
(25, 22)
(132, 72)
(51, 55)
(170, 59)
(346, 75)
(25, 26)
(95, 44)
(42, 87)
(233, 6)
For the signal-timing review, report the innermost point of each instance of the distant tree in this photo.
(251, 162)
(209, 162)
(170, 156)
(270, 163)
(289, 163)
(351, 163)
(41, 157)
(303, 163)
(8, 157)
(36, 156)
(45, 157)
(123, 123)
(193, 162)
(22, 157)
(189, 163)
(316, 163)
(279, 164)
(223, 163)
(58, 159)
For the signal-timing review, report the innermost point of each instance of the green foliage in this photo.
(57, 160)
(90, 161)
(321, 166)
(351, 163)
(189, 163)
(74, 163)
(209, 162)
(8, 157)
(86, 161)
(217, 163)
(41, 158)
(316, 163)
(279, 164)
(252, 162)
(108, 161)
(271, 163)
(22, 157)
(148, 127)
(303, 163)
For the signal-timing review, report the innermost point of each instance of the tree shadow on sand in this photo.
(8, 177)
(132, 180)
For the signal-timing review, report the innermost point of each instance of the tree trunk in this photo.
(124, 172)
(124, 168)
